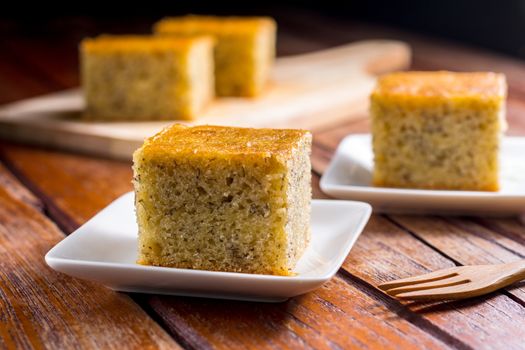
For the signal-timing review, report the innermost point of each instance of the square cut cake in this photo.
(244, 53)
(223, 198)
(438, 130)
(146, 77)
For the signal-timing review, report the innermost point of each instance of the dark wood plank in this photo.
(43, 309)
(512, 228)
(81, 180)
(53, 61)
(13, 187)
(338, 315)
(16, 84)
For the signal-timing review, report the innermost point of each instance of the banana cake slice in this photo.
(245, 49)
(438, 130)
(130, 77)
(223, 198)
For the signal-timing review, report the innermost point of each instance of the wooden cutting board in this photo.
(306, 91)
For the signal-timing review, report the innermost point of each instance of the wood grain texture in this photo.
(512, 228)
(40, 308)
(86, 183)
(338, 315)
(12, 186)
(348, 311)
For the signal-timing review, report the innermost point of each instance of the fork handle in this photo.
(516, 272)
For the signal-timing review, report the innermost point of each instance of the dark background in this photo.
(497, 25)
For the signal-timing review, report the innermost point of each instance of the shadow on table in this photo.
(427, 307)
(229, 322)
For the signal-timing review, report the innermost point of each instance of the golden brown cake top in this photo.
(223, 141)
(194, 24)
(114, 43)
(442, 84)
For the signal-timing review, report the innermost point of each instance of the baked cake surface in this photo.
(146, 77)
(223, 199)
(244, 53)
(438, 130)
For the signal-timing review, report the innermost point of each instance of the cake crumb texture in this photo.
(223, 199)
(438, 130)
(146, 77)
(244, 53)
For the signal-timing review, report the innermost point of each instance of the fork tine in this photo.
(445, 293)
(451, 281)
(428, 277)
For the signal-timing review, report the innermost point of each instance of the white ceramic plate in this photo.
(105, 250)
(350, 172)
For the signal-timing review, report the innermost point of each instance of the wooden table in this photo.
(46, 194)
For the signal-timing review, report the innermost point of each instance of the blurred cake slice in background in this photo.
(146, 77)
(438, 130)
(245, 49)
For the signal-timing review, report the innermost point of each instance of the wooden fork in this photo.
(457, 282)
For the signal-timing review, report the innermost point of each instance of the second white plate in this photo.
(349, 176)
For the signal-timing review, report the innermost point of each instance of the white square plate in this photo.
(350, 173)
(105, 250)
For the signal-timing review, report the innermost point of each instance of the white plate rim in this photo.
(56, 262)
